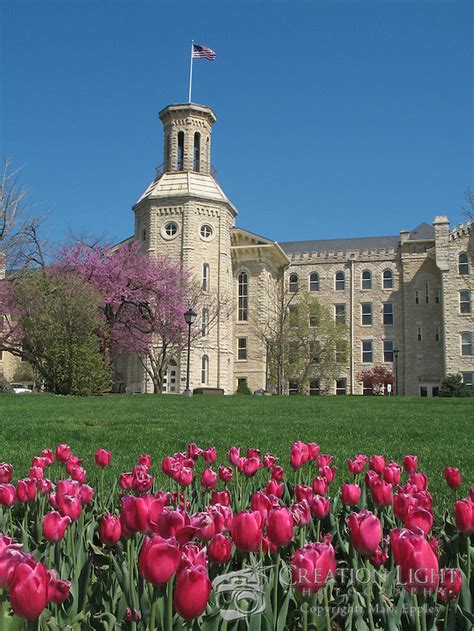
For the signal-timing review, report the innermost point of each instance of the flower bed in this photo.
(240, 545)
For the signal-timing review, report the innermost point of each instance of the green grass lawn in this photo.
(439, 431)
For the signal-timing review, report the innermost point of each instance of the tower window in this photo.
(465, 301)
(197, 152)
(437, 333)
(243, 297)
(427, 293)
(314, 282)
(419, 333)
(171, 228)
(206, 231)
(180, 165)
(204, 370)
(463, 263)
(387, 280)
(293, 283)
(417, 296)
(205, 276)
(366, 279)
(437, 295)
(144, 234)
(340, 282)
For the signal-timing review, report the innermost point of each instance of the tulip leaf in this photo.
(360, 624)
(466, 596)
(283, 613)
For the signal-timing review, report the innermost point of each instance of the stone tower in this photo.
(185, 215)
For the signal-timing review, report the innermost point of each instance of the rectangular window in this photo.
(437, 333)
(341, 386)
(467, 379)
(293, 387)
(419, 333)
(340, 313)
(313, 319)
(366, 351)
(366, 310)
(437, 295)
(465, 301)
(427, 293)
(417, 296)
(293, 352)
(314, 387)
(315, 352)
(367, 389)
(243, 293)
(388, 313)
(466, 344)
(205, 276)
(293, 315)
(242, 348)
(388, 347)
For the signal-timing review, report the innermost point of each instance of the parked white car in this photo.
(19, 388)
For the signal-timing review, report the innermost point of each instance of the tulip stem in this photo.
(326, 609)
(446, 616)
(305, 616)
(169, 605)
(417, 613)
(368, 596)
(275, 589)
(468, 566)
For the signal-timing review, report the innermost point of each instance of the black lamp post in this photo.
(395, 356)
(189, 317)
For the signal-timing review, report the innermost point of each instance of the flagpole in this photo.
(191, 72)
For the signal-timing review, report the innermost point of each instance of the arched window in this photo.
(463, 263)
(180, 165)
(243, 296)
(205, 276)
(197, 152)
(387, 279)
(366, 279)
(314, 282)
(340, 282)
(205, 322)
(204, 370)
(293, 283)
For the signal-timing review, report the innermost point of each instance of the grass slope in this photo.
(439, 430)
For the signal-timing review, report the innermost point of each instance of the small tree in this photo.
(377, 378)
(453, 386)
(51, 320)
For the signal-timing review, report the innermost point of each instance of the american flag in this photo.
(203, 52)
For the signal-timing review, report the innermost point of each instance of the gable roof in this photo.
(423, 232)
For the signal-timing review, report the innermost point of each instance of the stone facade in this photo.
(400, 294)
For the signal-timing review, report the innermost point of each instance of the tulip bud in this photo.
(417, 560)
(219, 549)
(7, 494)
(366, 532)
(357, 464)
(62, 452)
(410, 463)
(209, 455)
(246, 530)
(54, 526)
(110, 530)
(377, 463)
(208, 478)
(191, 592)
(225, 474)
(453, 477)
(320, 485)
(103, 458)
(145, 460)
(320, 506)
(464, 514)
(450, 585)
(278, 473)
(58, 589)
(381, 493)
(350, 494)
(26, 490)
(312, 566)
(234, 455)
(6, 472)
(280, 526)
(419, 518)
(159, 560)
(29, 590)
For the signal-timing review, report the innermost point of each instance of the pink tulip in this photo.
(69, 506)
(234, 455)
(6, 472)
(450, 584)
(464, 514)
(377, 463)
(419, 518)
(58, 589)
(357, 464)
(103, 458)
(63, 452)
(417, 560)
(410, 463)
(208, 478)
(246, 530)
(320, 506)
(320, 485)
(191, 592)
(225, 474)
(366, 532)
(381, 493)
(29, 590)
(453, 477)
(110, 530)
(219, 549)
(7, 494)
(350, 494)
(312, 566)
(26, 490)
(280, 526)
(54, 526)
(209, 455)
(159, 559)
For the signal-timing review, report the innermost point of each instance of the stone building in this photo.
(406, 298)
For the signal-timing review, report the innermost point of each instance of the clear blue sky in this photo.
(334, 118)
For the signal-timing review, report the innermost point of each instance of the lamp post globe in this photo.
(189, 317)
